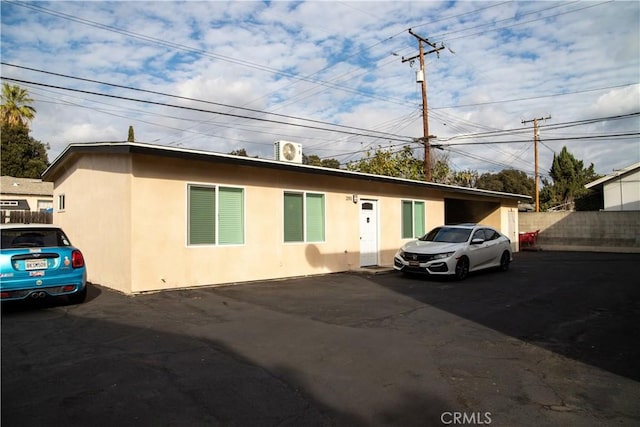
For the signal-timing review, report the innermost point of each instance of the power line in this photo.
(292, 75)
(185, 48)
(530, 98)
(603, 136)
(201, 110)
(404, 140)
(505, 132)
(187, 99)
(528, 22)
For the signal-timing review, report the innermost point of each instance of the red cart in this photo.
(529, 241)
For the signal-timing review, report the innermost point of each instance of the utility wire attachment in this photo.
(423, 80)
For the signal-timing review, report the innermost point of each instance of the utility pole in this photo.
(536, 135)
(421, 77)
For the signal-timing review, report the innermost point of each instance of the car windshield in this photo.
(447, 235)
(33, 238)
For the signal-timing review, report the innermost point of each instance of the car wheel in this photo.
(78, 297)
(505, 261)
(462, 268)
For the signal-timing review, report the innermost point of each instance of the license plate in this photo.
(414, 264)
(35, 264)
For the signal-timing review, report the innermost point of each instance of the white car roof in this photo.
(16, 225)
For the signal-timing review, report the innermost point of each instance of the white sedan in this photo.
(455, 250)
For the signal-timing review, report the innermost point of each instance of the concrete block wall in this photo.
(584, 231)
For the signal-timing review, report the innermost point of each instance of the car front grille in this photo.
(410, 256)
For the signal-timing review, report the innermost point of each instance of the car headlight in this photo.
(444, 255)
(400, 253)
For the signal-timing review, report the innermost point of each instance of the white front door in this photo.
(511, 229)
(368, 233)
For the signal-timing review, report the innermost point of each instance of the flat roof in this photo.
(77, 149)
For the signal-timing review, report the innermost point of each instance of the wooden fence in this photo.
(26, 217)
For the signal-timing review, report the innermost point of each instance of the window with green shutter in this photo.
(293, 217)
(413, 219)
(304, 217)
(202, 208)
(230, 216)
(407, 219)
(216, 215)
(315, 217)
(418, 219)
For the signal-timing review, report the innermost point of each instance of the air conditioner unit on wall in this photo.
(287, 151)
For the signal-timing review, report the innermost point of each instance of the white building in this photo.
(620, 189)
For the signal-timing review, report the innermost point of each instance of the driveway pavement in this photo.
(554, 341)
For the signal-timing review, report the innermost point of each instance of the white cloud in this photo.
(331, 61)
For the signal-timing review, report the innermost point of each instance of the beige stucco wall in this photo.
(97, 216)
(163, 259)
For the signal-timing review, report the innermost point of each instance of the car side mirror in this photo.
(477, 241)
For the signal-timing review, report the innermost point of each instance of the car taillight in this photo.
(77, 260)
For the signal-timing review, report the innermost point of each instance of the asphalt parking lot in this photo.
(554, 341)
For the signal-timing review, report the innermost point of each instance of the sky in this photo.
(335, 76)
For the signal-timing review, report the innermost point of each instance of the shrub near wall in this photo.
(584, 231)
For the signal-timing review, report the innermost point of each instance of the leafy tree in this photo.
(399, 164)
(508, 181)
(16, 110)
(440, 170)
(403, 164)
(465, 178)
(314, 160)
(131, 137)
(569, 178)
(240, 152)
(22, 156)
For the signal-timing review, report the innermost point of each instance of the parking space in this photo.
(551, 342)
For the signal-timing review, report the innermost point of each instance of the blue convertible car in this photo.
(38, 261)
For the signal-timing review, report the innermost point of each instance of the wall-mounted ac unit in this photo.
(287, 151)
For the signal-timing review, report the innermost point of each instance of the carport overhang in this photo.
(469, 209)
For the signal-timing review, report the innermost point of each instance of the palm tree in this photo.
(15, 109)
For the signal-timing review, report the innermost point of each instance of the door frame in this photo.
(377, 231)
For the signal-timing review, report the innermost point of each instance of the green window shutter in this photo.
(418, 219)
(315, 217)
(407, 219)
(230, 215)
(202, 223)
(293, 217)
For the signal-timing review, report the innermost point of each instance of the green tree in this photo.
(399, 163)
(16, 110)
(22, 156)
(240, 152)
(315, 160)
(569, 178)
(131, 137)
(440, 167)
(464, 178)
(507, 181)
